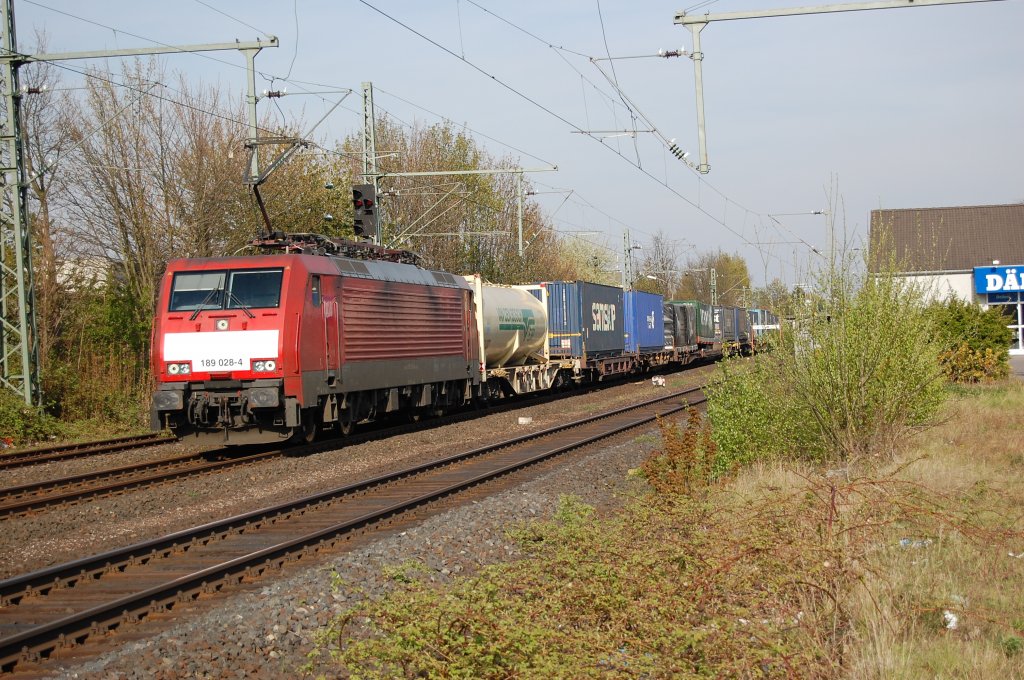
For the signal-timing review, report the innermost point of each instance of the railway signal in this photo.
(364, 201)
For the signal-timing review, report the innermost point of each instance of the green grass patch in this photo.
(782, 571)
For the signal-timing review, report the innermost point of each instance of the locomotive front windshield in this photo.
(234, 289)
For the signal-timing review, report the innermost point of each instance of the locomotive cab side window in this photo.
(237, 289)
(314, 285)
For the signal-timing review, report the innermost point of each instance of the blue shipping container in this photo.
(584, 319)
(645, 322)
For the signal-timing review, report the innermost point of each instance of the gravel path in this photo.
(266, 630)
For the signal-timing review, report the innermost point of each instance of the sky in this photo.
(838, 113)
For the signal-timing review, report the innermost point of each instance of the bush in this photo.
(754, 418)
(974, 342)
(957, 322)
(21, 424)
(698, 588)
(101, 393)
(966, 365)
(688, 461)
(850, 378)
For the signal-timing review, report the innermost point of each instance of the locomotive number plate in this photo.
(235, 363)
(221, 351)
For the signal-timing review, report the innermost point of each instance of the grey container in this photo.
(727, 321)
(684, 324)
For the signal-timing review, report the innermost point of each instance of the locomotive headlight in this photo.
(269, 365)
(181, 368)
(264, 365)
(258, 366)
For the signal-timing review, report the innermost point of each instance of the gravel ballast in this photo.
(266, 630)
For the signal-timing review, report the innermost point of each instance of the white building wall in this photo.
(942, 285)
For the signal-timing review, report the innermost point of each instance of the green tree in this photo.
(732, 278)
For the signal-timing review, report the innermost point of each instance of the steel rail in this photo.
(25, 457)
(26, 498)
(158, 593)
(62, 491)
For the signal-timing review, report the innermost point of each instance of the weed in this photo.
(688, 461)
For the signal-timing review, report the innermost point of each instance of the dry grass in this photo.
(936, 530)
(973, 466)
(784, 570)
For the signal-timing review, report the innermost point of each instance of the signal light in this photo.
(363, 199)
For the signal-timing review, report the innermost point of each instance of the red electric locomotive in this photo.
(269, 347)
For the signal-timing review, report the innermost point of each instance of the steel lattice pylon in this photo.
(19, 344)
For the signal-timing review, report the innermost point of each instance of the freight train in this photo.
(319, 335)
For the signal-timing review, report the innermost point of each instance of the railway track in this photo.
(27, 498)
(48, 494)
(51, 610)
(48, 454)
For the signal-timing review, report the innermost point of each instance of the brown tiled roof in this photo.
(945, 239)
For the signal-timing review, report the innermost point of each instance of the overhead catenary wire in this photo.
(230, 16)
(615, 79)
(557, 116)
(299, 83)
(286, 78)
(629, 105)
(558, 49)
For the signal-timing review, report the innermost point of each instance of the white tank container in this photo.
(515, 326)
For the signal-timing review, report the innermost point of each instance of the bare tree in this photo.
(47, 137)
(459, 223)
(660, 271)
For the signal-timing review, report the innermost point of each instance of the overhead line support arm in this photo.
(698, 22)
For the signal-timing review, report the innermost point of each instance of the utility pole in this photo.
(370, 153)
(627, 261)
(519, 210)
(19, 343)
(699, 22)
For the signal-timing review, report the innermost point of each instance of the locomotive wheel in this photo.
(346, 424)
(306, 433)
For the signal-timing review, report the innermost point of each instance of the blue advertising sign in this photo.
(999, 279)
